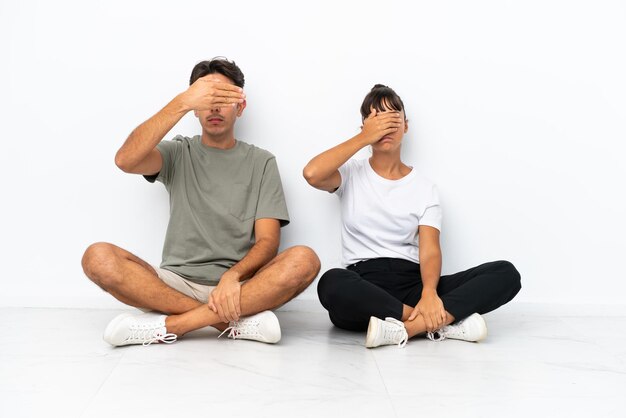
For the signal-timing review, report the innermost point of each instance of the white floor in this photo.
(54, 363)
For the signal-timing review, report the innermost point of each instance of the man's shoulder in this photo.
(257, 153)
(177, 141)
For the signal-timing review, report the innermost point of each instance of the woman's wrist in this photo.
(429, 291)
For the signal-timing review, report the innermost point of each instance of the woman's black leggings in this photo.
(380, 287)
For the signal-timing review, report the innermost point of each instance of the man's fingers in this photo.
(210, 78)
(226, 97)
(211, 303)
(209, 105)
(237, 301)
(232, 310)
(230, 93)
(220, 313)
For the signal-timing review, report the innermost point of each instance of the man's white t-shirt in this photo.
(380, 217)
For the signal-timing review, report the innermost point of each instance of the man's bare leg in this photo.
(283, 278)
(132, 281)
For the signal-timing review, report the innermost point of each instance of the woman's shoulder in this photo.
(353, 165)
(421, 179)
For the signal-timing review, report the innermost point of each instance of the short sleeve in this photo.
(272, 202)
(344, 171)
(432, 215)
(169, 151)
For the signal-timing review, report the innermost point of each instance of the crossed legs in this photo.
(352, 297)
(134, 282)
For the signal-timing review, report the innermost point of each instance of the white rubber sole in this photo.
(482, 327)
(108, 332)
(372, 331)
(275, 325)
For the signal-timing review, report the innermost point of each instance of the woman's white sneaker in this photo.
(263, 327)
(389, 331)
(145, 328)
(473, 328)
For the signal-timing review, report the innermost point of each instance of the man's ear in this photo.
(195, 113)
(240, 107)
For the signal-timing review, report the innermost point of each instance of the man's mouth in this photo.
(215, 120)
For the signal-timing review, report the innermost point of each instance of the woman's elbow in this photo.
(310, 176)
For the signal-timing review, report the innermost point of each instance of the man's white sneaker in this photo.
(263, 327)
(472, 328)
(145, 328)
(389, 331)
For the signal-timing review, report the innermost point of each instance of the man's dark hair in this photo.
(219, 65)
(381, 98)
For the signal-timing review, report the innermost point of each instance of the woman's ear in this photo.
(406, 125)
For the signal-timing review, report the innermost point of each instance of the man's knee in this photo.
(306, 258)
(98, 262)
(305, 264)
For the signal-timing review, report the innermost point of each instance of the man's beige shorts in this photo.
(196, 291)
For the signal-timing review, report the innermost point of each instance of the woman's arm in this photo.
(430, 305)
(322, 172)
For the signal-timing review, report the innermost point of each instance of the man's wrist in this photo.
(179, 104)
(231, 275)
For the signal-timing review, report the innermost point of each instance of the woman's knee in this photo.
(351, 325)
(510, 274)
(333, 287)
(329, 281)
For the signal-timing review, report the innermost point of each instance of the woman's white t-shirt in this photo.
(380, 217)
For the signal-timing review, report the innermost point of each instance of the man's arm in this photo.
(430, 305)
(139, 155)
(225, 299)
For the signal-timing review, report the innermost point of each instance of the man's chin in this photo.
(215, 130)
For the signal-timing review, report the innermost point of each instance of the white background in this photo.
(516, 111)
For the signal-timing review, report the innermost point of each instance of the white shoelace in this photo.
(391, 334)
(167, 339)
(439, 337)
(455, 330)
(240, 329)
(149, 334)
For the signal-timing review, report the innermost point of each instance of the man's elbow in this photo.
(122, 163)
